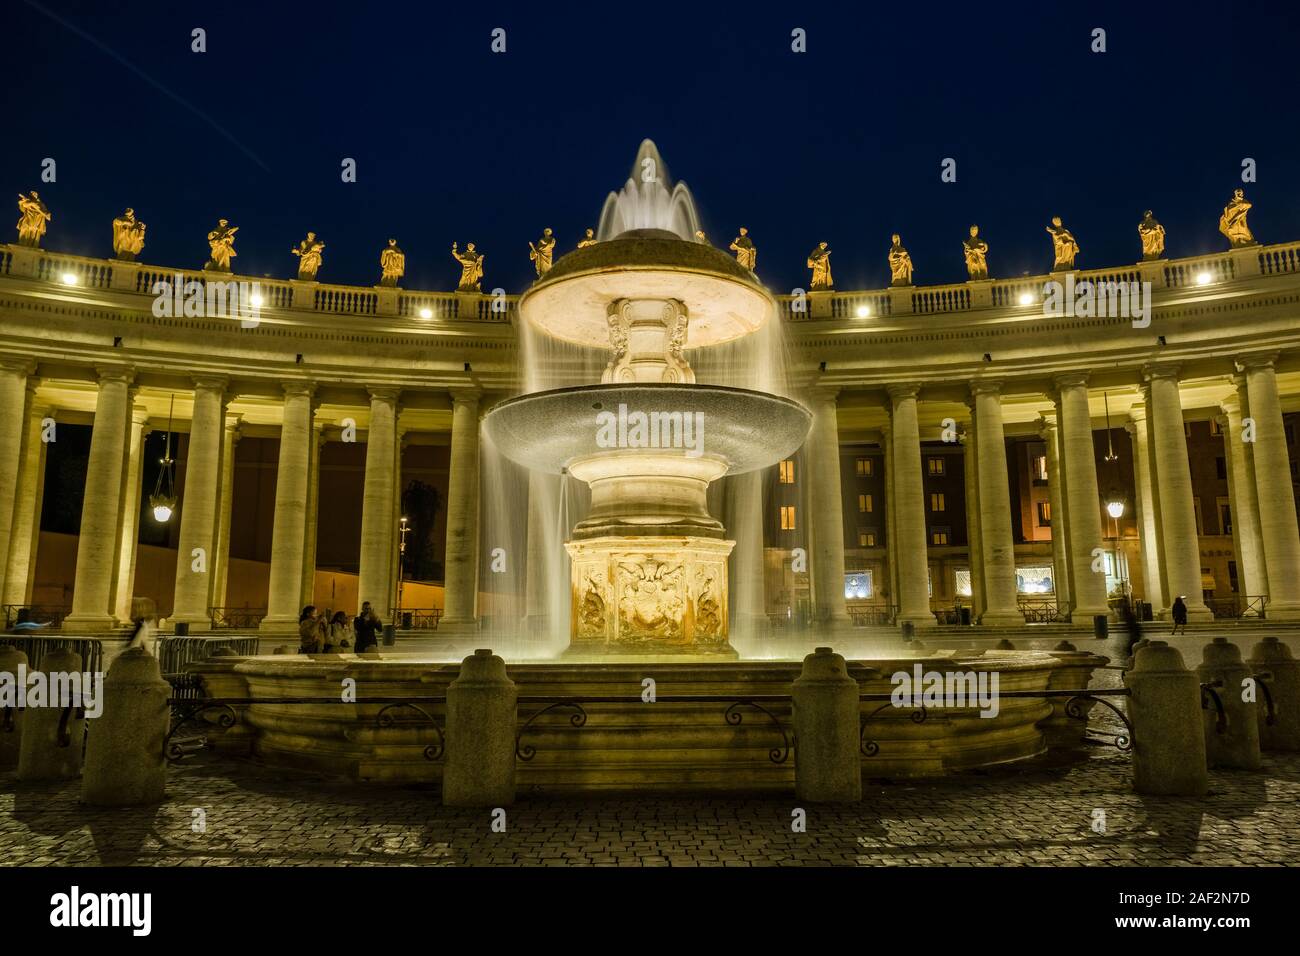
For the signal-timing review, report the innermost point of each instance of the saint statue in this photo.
(222, 243)
(542, 251)
(819, 261)
(128, 236)
(34, 214)
(471, 267)
(900, 263)
(309, 257)
(392, 264)
(700, 236)
(977, 255)
(745, 250)
(1152, 235)
(589, 241)
(1064, 245)
(1232, 223)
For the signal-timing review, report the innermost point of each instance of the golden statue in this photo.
(34, 215)
(1232, 223)
(589, 241)
(745, 250)
(819, 261)
(309, 257)
(222, 243)
(1064, 245)
(128, 236)
(700, 236)
(900, 263)
(392, 263)
(977, 255)
(471, 267)
(541, 252)
(1153, 237)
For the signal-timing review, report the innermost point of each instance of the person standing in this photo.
(336, 640)
(366, 625)
(310, 638)
(1179, 614)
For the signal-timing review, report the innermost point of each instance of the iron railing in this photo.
(37, 646)
(873, 615)
(420, 618)
(48, 614)
(1237, 606)
(1039, 610)
(236, 618)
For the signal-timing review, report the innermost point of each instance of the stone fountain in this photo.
(649, 562)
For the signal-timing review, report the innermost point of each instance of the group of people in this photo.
(323, 632)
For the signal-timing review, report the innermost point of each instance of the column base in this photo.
(1282, 612)
(280, 624)
(458, 627)
(920, 623)
(1002, 619)
(97, 623)
(1201, 613)
(196, 623)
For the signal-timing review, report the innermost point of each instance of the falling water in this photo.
(647, 202)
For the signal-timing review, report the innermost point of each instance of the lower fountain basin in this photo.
(746, 430)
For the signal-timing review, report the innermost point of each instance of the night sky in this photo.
(843, 143)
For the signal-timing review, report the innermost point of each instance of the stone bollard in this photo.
(125, 764)
(1238, 745)
(11, 718)
(1272, 656)
(1004, 645)
(1165, 708)
(482, 716)
(1073, 672)
(45, 753)
(827, 731)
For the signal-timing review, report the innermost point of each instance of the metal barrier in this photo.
(175, 652)
(1039, 610)
(1237, 606)
(420, 618)
(873, 615)
(36, 646)
(236, 618)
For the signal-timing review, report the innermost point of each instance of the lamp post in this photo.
(163, 499)
(403, 528)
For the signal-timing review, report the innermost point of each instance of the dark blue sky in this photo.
(842, 143)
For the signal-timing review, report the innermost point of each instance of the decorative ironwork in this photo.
(1221, 716)
(733, 716)
(64, 734)
(869, 748)
(432, 752)
(577, 719)
(241, 618)
(1074, 708)
(1270, 712)
(188, 712)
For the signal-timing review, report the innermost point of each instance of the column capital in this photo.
(1231, 404)
(899, 391)
(139, 415)
(829, 394)
(465, 395)
(19, 366)
(1156, 370)
(1259, 360)
(1070, 380)
(1137, 412)
(990, 386)
(302, 387)
(390, 394)
(116, 373)
(211, 383)
(1046, 426)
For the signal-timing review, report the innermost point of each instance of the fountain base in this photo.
(663, 595)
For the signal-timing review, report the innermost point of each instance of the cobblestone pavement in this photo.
(1039, 814)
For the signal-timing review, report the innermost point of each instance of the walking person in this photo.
(1179, 614)
(1132, 626)
(366, 624)
(310, 631)
(336, 640)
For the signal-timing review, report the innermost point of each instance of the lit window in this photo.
(1040, 468)
(866, 467)
(1037, 580)
(1215, 429)
(787, 517)
(857, 586)
(935, 466)
(865, 503)
(866, 539)
(937, 501)
(1045, 514)
(962, 582)
(787, 472)
(938, 536)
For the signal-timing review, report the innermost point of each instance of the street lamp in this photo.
(404, 527)
(163, 499)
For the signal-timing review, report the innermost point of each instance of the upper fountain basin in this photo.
(546, 431)
(723, 299)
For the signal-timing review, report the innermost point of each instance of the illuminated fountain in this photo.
(649, 562)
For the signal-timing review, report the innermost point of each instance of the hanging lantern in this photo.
(163, 499)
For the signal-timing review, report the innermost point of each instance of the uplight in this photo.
(1204, 278)
(256, 300)
(69, 278)
(426, 313)
(863, 311)
(1026, 298)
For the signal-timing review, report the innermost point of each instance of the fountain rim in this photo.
(656, 386)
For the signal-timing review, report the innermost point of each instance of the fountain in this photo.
(648, 562)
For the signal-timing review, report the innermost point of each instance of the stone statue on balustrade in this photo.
(542, 252)
(34, 215)
(1153, 237)
(819, 261)
(1063, 245)
(221, 242)
(745, 250)
(392, 264)
(590, 239)
(900, 263)
(976, 251)
(309, 257)
(1232, 223)
(128, 236)
(471, 267)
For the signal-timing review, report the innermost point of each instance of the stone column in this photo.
(125, 584)
(826, 517)
(399, 449)
(1049, 433)
(997, 546)
(221, 558)
(891, 543)
(461, 572)
(377, 528)
(288, 534)
(1182, 555)
(1148, 526)
(1247, 539)
(101, 510)
(26, 530)
(196, 546)
(1277, 517)
(311, 519)
(1082, 500)
(909, 510)
(974, 544)
(15, 401)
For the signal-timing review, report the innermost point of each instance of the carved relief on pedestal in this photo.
(591, 616)
(648, 338)
(710, 624)
(650, 600)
